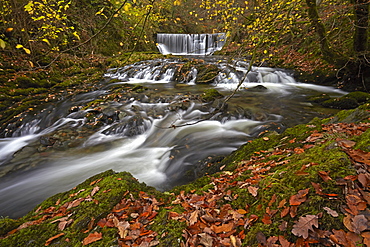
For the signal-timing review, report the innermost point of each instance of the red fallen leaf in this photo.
(52, 238)
(304, 225)
(299, 198)
(282, 203)
(253, 190)
(298, 150)
(273, 200)
(285, 212)
(96, 181)
(266, 219)
(293, 211)
(324, 175)
(223, 228)
(92, 237)
(366, 236)
(359, 156)
(284, 242)
(351, 177)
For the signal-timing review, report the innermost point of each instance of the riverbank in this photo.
(307, 185)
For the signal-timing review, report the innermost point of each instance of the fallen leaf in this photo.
(261, 238)
(359, 223)
(266, 219)
(52, 238)
(205, 239)
(324, 175)
(304, 225)
(253, 190)
(283, 226)
(366, 236)
(92, 237)
(299, 198)
(95, 189)
(283, 241)
(331, 211)
(345, 143)
(193, 217)
(223, 228)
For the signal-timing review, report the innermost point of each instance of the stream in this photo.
(126, 126)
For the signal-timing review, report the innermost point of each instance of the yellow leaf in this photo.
(28, 51)
(19, 46)
(46, 41)
(2, 44)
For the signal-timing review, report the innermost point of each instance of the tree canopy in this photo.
(306, 35)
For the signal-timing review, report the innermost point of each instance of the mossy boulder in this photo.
(207, 73)
(348, 101)
(211, 95)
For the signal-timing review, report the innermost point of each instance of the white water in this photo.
(190, 44)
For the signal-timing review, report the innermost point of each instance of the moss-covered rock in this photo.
(211, 95)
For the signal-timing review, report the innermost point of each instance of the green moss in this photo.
(211, 94)
(360, 97)
(171, 230)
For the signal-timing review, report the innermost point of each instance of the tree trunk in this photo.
(360, 41)
(320, 29)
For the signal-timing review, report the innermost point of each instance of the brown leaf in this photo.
(63, 224)
(52, 238)
(92, 237)
(348, 223)
(324, 175)
(223, 228)
(299, 198)
(283, 226)
(285, 212)
(122, 228)
(304, 224)
(261, 238)
(283, 241)
(359, 223)
(193, 217)
(266, 219)
(205, 239)
(339, 237)
(331, 211)
(253, 190)
(364, 179)
(94, 190)
(282, 203)
(366, 236)
(346, 143)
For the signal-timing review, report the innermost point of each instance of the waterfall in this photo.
(190, 44)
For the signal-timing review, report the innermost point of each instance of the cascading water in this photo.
(130, 130)
(190, 44)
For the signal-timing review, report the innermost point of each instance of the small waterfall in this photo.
(190, 44)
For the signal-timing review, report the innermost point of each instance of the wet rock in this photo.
(258, 88)
(211, 95)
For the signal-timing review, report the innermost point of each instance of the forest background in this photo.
(326, 37)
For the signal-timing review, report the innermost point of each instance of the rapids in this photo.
(68, 142)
